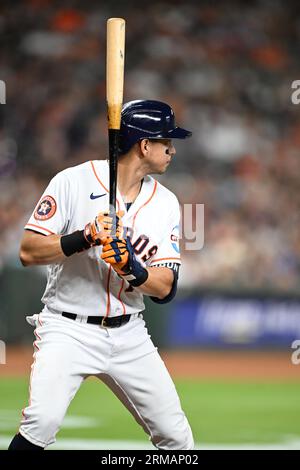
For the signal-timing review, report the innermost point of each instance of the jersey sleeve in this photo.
(52, 213)
(169, 250)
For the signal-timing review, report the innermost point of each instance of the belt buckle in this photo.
(103, 323)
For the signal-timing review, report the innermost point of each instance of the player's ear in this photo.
(144, 146)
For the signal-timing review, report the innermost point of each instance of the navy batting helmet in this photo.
(148, 119)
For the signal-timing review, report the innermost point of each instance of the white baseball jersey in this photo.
(83, 283)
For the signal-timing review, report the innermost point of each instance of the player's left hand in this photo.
(120, 255)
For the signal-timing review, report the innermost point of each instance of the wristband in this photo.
(140, 278)
(74, 243)
(134, 272)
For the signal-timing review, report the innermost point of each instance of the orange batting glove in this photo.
(120, 255)
(101, 229)
(115, 253)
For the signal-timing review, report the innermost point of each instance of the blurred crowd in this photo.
(225, 67)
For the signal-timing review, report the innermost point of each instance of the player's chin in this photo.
(163, 168)
(160, 171)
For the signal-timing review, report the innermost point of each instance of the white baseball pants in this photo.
(124, 358)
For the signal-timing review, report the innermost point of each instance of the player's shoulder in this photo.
(80, 169)
(83, 170)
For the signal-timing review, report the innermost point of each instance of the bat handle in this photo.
(113, 135)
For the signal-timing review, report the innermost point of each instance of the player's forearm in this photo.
(159, 282)
(37, 249)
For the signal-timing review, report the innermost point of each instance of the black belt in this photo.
(106, 322)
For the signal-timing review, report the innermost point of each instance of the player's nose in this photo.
(171, 150)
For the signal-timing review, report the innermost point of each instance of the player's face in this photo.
(160, 155)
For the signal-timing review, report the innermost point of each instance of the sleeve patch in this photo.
(175, 238)
(45, 209)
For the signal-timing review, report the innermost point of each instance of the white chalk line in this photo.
(10, 419)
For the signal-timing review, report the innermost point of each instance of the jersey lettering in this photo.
(151, 252)
(140, 244)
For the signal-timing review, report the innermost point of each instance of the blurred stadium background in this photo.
(227, 69)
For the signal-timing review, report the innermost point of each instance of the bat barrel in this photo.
(115, 70)
(114, 96)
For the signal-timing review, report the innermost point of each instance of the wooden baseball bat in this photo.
(114, 96)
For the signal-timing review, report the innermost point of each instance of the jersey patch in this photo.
(46, 208)
(175, 238)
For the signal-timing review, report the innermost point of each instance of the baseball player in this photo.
(92, 323)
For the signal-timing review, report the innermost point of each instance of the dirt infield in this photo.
(262, 366)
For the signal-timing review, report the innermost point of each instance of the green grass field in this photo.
(220, 413)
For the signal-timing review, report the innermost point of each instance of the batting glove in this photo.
(101, 229)
(120, 255)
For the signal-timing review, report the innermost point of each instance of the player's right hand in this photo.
(101, 228)
(120, 255)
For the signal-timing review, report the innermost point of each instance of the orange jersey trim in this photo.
(32, 368)
(119, 297)
(108, 292)
(103, 186)
(41, 228)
